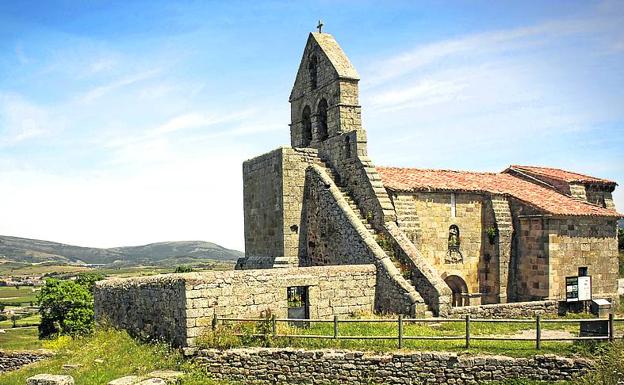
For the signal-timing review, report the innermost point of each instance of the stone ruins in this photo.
(329, 233)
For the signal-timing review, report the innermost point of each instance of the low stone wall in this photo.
(15, 360)
(508, 310)
(291, 366)
(179, 307)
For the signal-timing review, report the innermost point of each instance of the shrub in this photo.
(66, 308)
(184, 269)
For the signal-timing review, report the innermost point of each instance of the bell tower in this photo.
(324, 99)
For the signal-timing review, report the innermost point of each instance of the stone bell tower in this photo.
(324, 99)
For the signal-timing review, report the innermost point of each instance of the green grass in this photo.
(224, 337)
(22, 295)
(120, 356)
(31, 320)
(20, 339)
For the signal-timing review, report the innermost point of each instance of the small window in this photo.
(322, 120)
(583, 272)
(313, 72)
(453, 205)
(306, 122)
(347, 147)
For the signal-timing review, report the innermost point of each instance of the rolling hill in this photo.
(37, 251)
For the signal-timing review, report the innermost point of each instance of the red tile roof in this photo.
(563, 175)
(546, 199)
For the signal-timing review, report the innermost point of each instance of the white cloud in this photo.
(100, 91)
(21, 120)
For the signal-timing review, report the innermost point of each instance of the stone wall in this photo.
(148, 307)
(508, 310)
(334, 235)
(291, 366)
(551, 249)
(263, 207)
(583, 242)
(178, 307)
(15, 360)
(435, 218)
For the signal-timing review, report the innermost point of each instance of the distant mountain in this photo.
(37, 251)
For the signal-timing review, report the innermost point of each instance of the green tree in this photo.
(88, 280)
(66, 308)
(621, 238)
(184, 269)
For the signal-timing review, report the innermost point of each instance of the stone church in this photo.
(438, 238)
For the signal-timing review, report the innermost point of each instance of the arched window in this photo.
(312, 71)
(306, 122)
(322, 119)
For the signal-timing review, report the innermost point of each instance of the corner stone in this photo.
(50, 379)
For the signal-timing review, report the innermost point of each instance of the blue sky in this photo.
(127, 122)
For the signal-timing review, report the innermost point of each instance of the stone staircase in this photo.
(379, 237)
(407, 219)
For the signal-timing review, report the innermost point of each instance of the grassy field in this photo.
(11, 295)
(20, 339)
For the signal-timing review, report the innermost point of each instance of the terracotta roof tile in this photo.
(559, 174)
(546, 199)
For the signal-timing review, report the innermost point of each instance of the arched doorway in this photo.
(459, 289)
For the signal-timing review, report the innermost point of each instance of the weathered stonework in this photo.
(179, 307)
(508, 310)
(550, 249)
(292, 366)
(15, 360)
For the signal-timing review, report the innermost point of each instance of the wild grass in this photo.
(20, 339)
(105, 356)
(9, 295)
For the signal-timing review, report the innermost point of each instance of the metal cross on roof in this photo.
(320, 26)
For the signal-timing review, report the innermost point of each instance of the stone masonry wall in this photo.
(148, 307)
(508, 310)
(583, 242)
(291, 366)
(15, 360)
(434, 213)
(263, 207)
(335, 236)
(178, 307)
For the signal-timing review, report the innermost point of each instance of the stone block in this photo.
(50, 379)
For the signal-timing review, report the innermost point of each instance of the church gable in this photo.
(323, 62)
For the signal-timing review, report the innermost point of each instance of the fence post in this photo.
(214, 321)
(335, 327)
(538, 332)
(467, 331)
(273, 324)
(400, 331)
(611, 331)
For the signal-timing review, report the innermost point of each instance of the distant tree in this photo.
(14, 319)
(66, 308)
(1, 307)
(184, 269)
(88, 280)
(621, 238)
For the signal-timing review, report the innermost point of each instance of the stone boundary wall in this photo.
(15, 360)
(508, 310)
(180, 307)
(292, 366)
